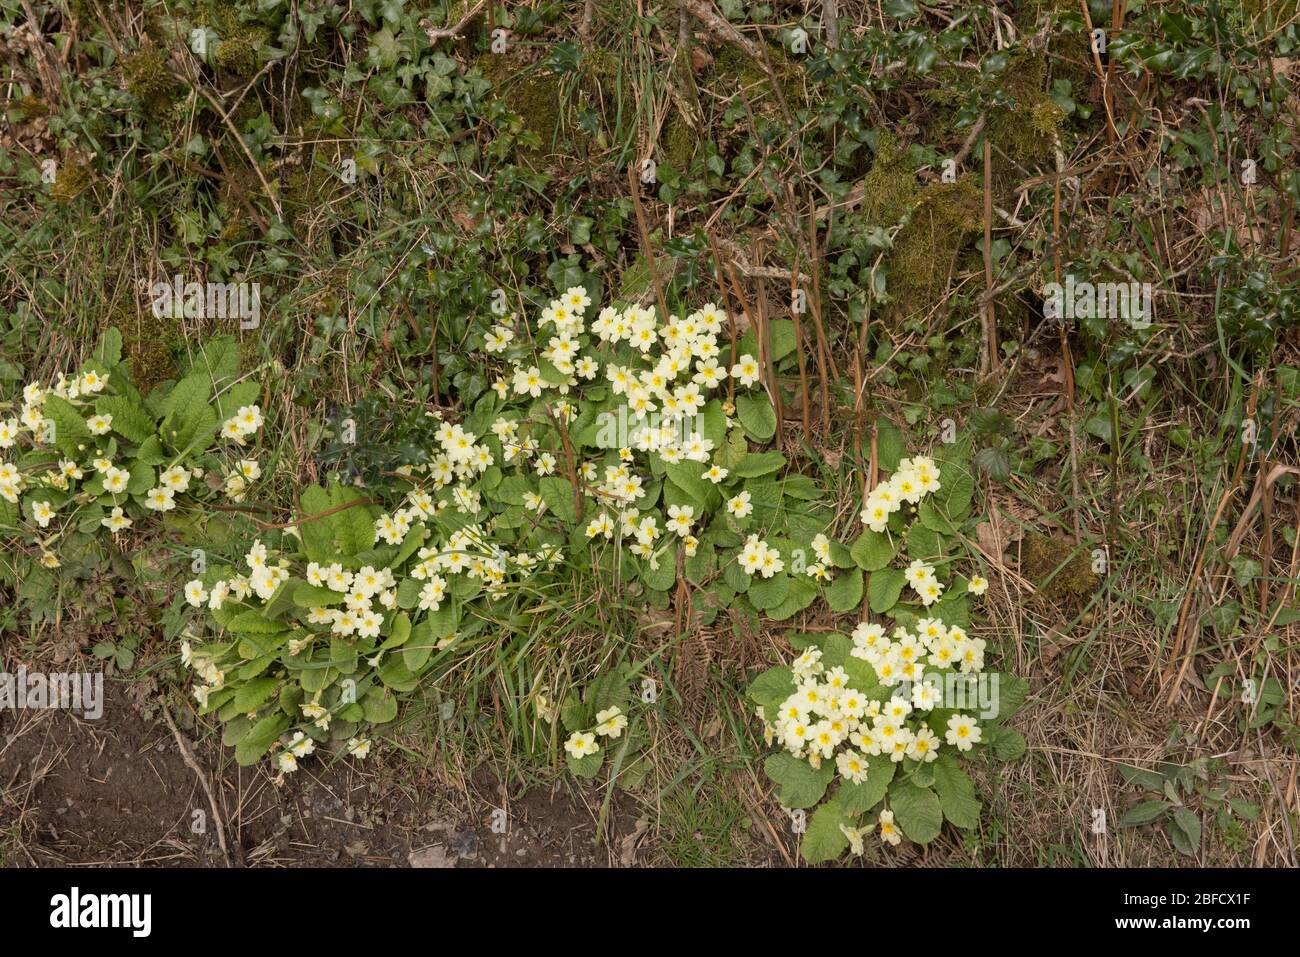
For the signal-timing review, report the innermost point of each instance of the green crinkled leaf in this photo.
(586, 766)
(891, 448)
(800, 786)
(129, 419)
(306, 595)
(70, 429)
(686, 477)
(253, 623)
(282, 600)
(824, 841)
(379, 705)
(845, 592)
(1143, 813)
(1012, 691)
(772, 686)
(108, 351)
(1007, 743)
(260, 738)
(862, 797)
(916, 810)
(767, 593)
(755, 464)
(883, 589)
(954, 498)
(253, 694)
(557, 493)
(317, 535)
(756, 415)
(802, 593)
(352, 526)
(874, 550)
(236, 397)
(956, 792)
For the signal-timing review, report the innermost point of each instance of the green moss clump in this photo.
(148, 79)
(1027, 131)
(70, 181)
(926, 249)
(889, 188)
(1043, 555)
(535, 97)
(237, 51)
(678, 141)
(148, 344)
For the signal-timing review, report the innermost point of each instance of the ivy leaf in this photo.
(884, 588)
(917, 810)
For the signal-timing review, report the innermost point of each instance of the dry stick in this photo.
(859, 388)
(646, 250)
(765, 357)
(825, 361)
(188, 758)
(830, 23)
(989, 358)
(803, 370)
(1111, 135)
(442, 33)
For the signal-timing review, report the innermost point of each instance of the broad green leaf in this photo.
(884, 588)
(862, 797)
(800, 786)
(824, 841)
(759, 463)
(956, 792)
(756, 415)
(916, 810)
(772, 686)
(1143, 813)
(890, 445)
(70, 429)
(874, 550)
(845, 592)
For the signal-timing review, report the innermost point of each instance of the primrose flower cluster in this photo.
(76, 442)
(666, 373)
(904, 716)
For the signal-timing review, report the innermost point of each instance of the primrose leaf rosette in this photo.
(879, 719)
